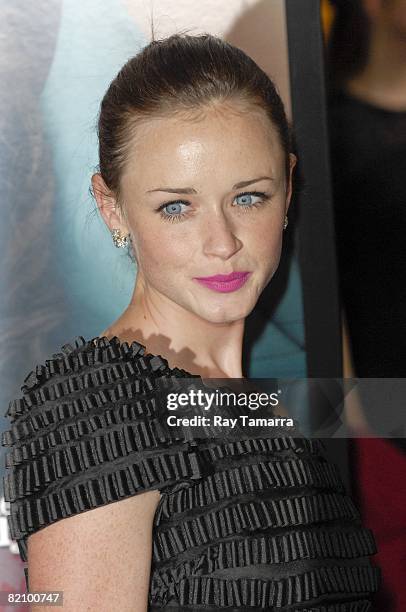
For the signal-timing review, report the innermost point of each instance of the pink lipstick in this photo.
(224, 282)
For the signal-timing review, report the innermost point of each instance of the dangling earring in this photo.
(285, 224)
(118, 239)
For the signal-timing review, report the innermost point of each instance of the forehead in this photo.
(217, 139)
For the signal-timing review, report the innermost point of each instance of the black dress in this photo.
(259, 523)
(368, 162)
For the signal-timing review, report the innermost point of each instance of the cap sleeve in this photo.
(86, 432)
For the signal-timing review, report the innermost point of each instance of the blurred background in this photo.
(338, 301)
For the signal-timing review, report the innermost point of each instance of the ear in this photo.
(292, 162)
(107, 205)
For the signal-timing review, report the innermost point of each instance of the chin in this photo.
(227, 315)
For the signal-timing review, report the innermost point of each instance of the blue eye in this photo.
(247, 202)
(173, 208)
(173, 212)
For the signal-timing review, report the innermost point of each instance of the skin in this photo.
(383, 80)
(75, 555)
(209, 153)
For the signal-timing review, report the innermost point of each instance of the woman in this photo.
(196, 176)
(367, 117)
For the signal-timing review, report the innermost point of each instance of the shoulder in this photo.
(87, 431)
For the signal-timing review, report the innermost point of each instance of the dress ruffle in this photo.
(248, 524)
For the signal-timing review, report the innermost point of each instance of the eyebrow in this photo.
(191, 190)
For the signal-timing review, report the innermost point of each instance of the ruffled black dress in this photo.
(258, 523)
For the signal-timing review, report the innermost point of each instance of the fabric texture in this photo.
(249, 524)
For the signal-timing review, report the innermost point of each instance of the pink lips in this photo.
(224, 282)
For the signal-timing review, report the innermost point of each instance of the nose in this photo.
(220, 239)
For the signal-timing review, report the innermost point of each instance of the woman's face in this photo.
(204, 198)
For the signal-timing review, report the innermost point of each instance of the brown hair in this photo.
(177, 74)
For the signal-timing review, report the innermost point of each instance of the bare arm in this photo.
(348, 366)
(100, 558)
(354, 411)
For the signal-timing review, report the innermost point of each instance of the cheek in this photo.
(158, 252)
(268, 244)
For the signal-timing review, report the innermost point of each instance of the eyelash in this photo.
(176, 218)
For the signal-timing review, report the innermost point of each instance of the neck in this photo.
(212, 350)
(383, 80)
